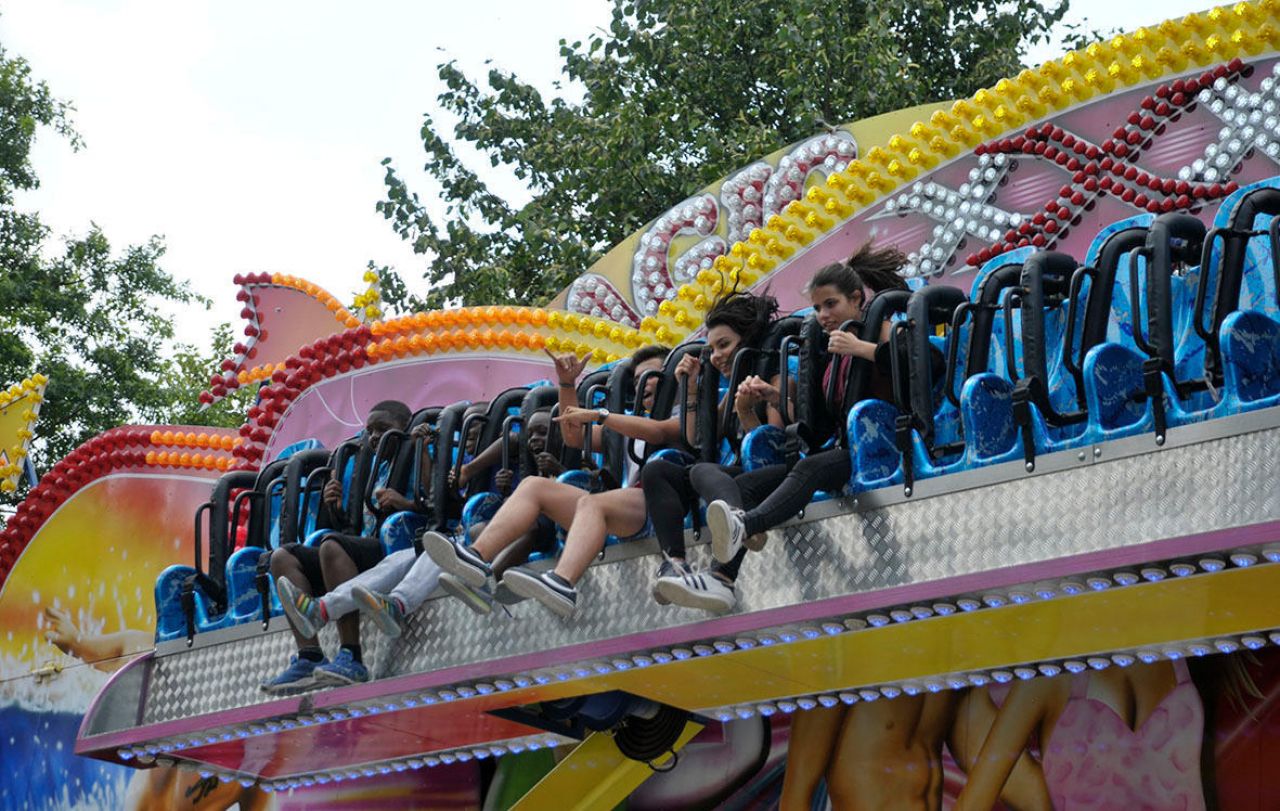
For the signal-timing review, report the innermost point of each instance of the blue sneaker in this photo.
(298, 677)
(344, 669)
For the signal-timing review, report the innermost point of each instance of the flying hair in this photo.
(747, 314)
(868, 267)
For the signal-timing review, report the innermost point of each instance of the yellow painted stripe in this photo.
(594, 775)
(1152, 614)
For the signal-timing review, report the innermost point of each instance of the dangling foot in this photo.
(702, 590)
(670, 567)
(727, 530)
(344, 669)
(386, 612)
(298, 677)
(456, 559)
(306, 614)
(478, 600)
(548, 588)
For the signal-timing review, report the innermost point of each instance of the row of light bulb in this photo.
(959, 212)
(1045, 590)
(1251, 122)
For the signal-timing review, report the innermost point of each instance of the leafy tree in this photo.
(676, 94)
(188, 375)
(89, 318)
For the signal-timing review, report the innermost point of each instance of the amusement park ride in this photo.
(1091, 489)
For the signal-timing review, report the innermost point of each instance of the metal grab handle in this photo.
(958, 318)
(207, 507)
(1069, 362)
(895, 361)
(1202, 286)
(1010, 360)
(467, 422)
(235, 512)
(421, 492)
(1135, 303)
(385, 443)
(588, 430)
(736, 375)
(683, 393)
(1274, 232)
(308, 487)
(639, 409)
(784, 375)
(510, 422)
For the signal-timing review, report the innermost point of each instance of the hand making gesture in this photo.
(568, 366)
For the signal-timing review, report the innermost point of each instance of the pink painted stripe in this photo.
(1197, 543)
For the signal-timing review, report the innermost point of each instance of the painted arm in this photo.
(1023, 710)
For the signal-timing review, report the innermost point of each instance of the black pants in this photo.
(771, 495)
(669, 496)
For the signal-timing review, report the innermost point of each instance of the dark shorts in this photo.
(364, 552)
(544, 536)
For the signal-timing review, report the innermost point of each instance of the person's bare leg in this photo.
(809, 747)
(515, 554)
(615, 512)
(518, 514)
(338, 568)
(284, 564)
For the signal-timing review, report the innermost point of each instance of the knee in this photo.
(533, 487)
(588, 505)
(656, 470)
(282, 560)
(703, 473)
(332, 554)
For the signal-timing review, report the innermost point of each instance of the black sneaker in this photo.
(668, 568)
(456, 559)
(548, 588)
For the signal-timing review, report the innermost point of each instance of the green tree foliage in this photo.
(188, 375)
(675, 94)
(90, 318)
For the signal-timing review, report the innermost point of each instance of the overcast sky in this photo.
(249, 134)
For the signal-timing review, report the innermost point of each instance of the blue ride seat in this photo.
(986, 410)
(1112, 378)
(1250, 343)
(873, 450)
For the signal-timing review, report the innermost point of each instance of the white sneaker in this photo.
(668, 568)
(727, 530)
(699, 590)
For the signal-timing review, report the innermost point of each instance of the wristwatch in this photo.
(603, 414)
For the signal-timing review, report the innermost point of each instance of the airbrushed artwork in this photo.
(1033, 569)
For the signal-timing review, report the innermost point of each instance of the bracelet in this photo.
(569, 385)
